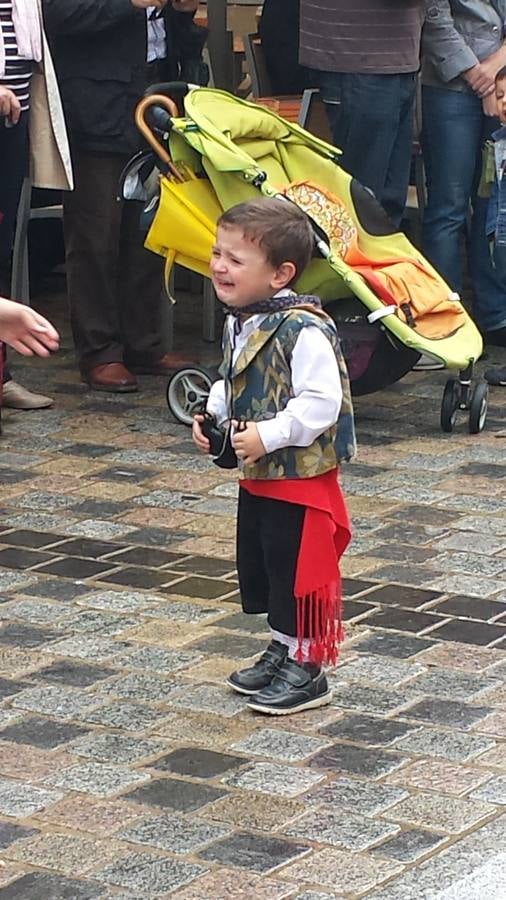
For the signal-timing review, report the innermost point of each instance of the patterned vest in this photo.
(259, 385)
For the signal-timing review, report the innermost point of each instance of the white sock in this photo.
(293, 645)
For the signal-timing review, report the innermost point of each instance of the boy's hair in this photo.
(279, 227)
(501, 74)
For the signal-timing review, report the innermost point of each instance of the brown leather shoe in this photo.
(112, 377)
(165, 365)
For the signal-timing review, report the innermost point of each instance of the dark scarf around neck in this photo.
(276, 304)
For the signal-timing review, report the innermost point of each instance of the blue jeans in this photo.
(499, 260)
(371, 117)
(454, 129)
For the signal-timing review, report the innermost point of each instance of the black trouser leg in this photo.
(114, 284)
(269, 535)
(13, 168)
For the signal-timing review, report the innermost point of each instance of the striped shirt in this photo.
(17, 71)
(361, 36)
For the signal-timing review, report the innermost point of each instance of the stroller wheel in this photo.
(187, 392)
(478, 408)
(449, 405)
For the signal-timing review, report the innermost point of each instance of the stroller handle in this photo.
(144, 128)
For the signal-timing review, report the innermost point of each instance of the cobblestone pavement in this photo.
(128, 770)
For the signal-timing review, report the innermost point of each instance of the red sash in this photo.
(325, 535)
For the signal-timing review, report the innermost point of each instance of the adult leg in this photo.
(13, 168)
(139, 291)
(496, 375)
(365, 117)
(92, 221)
(451, 139)
(397, 179)
(279, 31)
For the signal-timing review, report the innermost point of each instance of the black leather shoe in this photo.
(496, 376)
(253, 679)
(496, 338)
(294, 688)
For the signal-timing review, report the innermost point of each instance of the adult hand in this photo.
(185, 5)
(480, 79)
(25, 330)
(198, 438)
(143, 4)
(247, 444)
(10, 106)
(489, 105)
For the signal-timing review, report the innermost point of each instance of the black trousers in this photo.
(279, 30)
(268, 540)
(114, 284)
(13, 168)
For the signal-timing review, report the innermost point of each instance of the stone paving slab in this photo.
(127, 767)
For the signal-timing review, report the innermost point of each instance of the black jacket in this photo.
(99, 49)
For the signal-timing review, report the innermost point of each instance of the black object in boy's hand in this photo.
(214, 435)
(220, 442)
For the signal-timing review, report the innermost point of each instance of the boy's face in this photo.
(240, 271)
(500, 96)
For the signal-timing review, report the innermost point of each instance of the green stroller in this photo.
(214, 150)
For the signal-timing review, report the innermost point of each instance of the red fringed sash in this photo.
(325, 535)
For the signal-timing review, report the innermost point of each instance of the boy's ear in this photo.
(284, 274)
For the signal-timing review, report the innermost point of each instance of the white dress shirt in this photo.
(316, 385)
(157, 40)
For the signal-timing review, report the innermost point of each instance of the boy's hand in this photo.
(247, 444)
(198, 438)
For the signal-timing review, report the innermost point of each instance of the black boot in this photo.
(495, 338)
(496, 376)
(253, 679)
(294, 688)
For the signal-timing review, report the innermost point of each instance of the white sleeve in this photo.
(216, 403)
(318, 395)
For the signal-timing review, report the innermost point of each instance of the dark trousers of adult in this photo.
(268, 539)
(279, 31)
(114, 284)
(454, 130)
(371, 118)
(13, 168)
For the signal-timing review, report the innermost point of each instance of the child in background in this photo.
(496, 215)
(285, 380)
